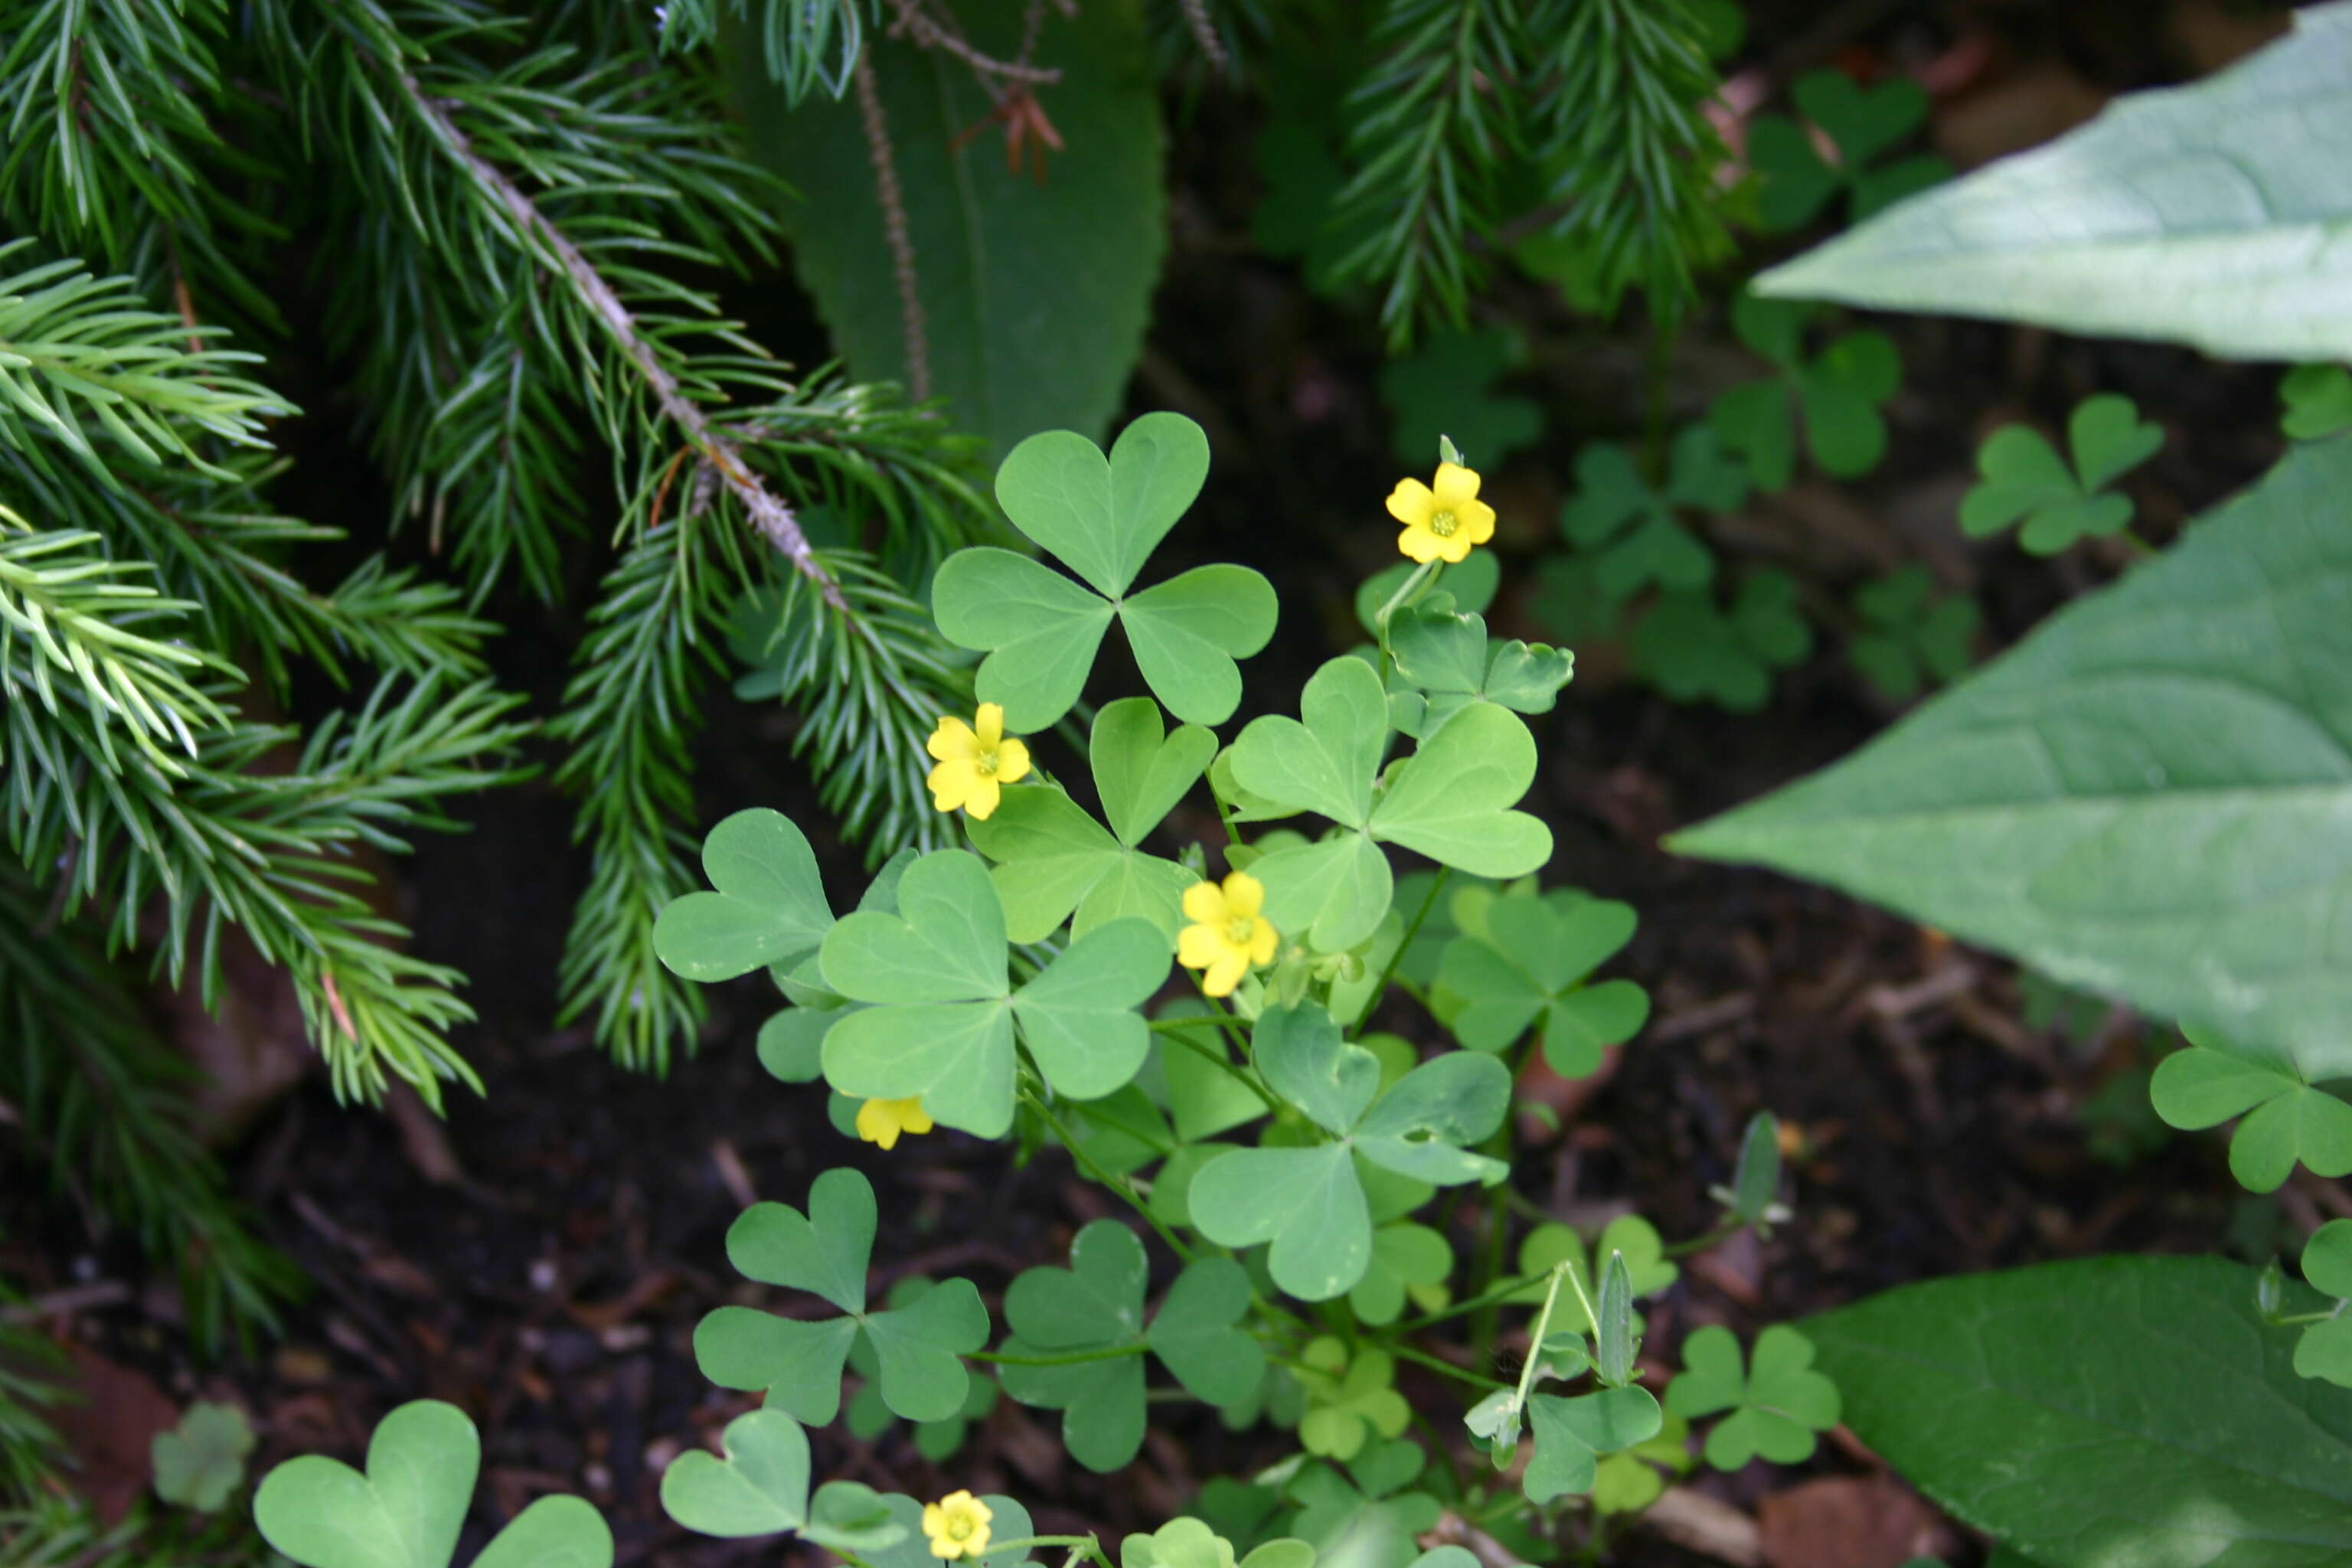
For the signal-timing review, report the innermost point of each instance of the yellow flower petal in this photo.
(1245, 894)
(951, 784)
(1227, 972)
(1477, 520)
(1012, 757)
(952, 741)
(989, 723)
(1419, 545)
(1455, 550)
(979, 804)
(1199, 946)
(1411, 503)
(1263, 943)
(1205, 902)
(1456, 485)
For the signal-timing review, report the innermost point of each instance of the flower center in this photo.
(1240, 928)
(960, 1527)
(1441, 523)
(986, 764)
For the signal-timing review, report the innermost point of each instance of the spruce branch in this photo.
(1625, 86)
(1428, 131)
(75, 349)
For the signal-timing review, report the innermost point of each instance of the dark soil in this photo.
(553, 1290)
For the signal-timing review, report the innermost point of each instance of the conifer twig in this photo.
(911, 325)
(769, 514)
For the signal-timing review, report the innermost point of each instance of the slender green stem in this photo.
(1439, 1363)
(1067, 1358)
(1715, 1237)
(1118, 1185)
(2305, 1318)
(1500, 1292)
(1407, 592)
(1560, 1271)
(1180, 1030)
(1581, 1300)
(1412, 930)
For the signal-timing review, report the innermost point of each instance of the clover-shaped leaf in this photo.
(1691, 650)
(1634, 533)
(1796, 183)
(1310, 1203)
(1079, 1339)
(1447, 655)
(1451, 801)
(761, 1487)
(1349, 1398)
(1912, 637)
(1777, 1405)
(199, 1462)
(1408, 1260)
(2022, 477)
(1571, 1433)
(942, 1022)
(1446, 387)
(1631, 1481)
(1187, 1542)
(869, 1416)
(1364, 1516)
(769, 906)
(1102, 517)
(2286, 1120)
(405, 1511)
(1628, 1236)
(1531, 970)
(2318, 399)
(799, 1362)
(2325, 1349)
(1838, 394)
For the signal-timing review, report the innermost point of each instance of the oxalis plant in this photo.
(1313, 1203)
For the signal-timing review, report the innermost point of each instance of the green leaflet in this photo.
(1449, 657)
(1096, 1305)
(1451, 801)
(2286, 1120)
(2022, 477)
(1057, 863)
(1775, 1404)
(943, 1015)
(1009, 1521)
(919, 1347)
(406, 1510)
(2214, 201)
(1310, 1203)
(2151, 795)
(199, 1462)
(1530, 969)
(1633, 531)
(1444, 388)
(1628, 1236)
(1911, 637)
(1690, 648)
(1034, 289)
(2103, 1413)
(769, 906)
(1573, 1433)
(1835, 395)
(1862, 122)
(1102, 516)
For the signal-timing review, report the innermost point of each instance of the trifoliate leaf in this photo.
(1912, 637)
(2286, 1120)
(1838, 395)
(1776, 1407)
(1532, 970)
(2022, 477)
(199, 1462)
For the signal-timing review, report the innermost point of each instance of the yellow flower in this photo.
(881, 1121)
(958, 1525)
(974, 759)
(1227, 937)
(1444, 522)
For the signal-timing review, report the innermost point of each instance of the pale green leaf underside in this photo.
(2150, 796)
(2111, 1413)
(2217, 215)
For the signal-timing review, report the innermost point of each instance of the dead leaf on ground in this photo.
(109, 1426)
(1850, 1521)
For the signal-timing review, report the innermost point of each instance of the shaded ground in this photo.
(552, 1288)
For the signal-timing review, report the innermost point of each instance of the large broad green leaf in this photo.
(2111, 1412)
(2212, 213)
(2150, 796)
(1035, 286)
